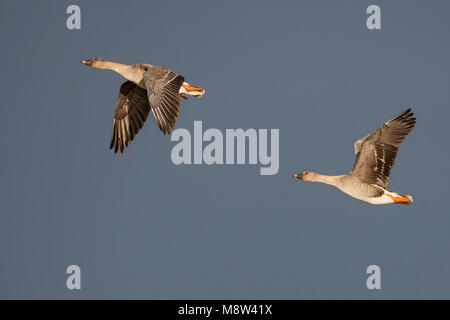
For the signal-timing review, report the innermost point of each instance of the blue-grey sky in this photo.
(141, 227)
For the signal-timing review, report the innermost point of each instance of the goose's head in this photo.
(94, 62)
(305, 176)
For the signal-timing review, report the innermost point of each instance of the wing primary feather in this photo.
(131, 112)
(376, 153)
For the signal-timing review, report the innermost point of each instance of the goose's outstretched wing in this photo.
(163, 87)
(131, 112)
(375, 153)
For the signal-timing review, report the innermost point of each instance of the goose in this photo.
(148, 87)
(375, 156)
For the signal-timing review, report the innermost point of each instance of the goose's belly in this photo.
(367, 193)
(383, 199)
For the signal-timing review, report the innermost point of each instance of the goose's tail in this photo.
(194, 91)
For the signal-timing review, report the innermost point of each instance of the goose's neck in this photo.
(331, 180)
(125, 70)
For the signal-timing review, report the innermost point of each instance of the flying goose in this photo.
(375, 156)
(147, 88)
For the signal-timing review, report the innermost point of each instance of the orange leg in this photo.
(188, 87)
(398, 199)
